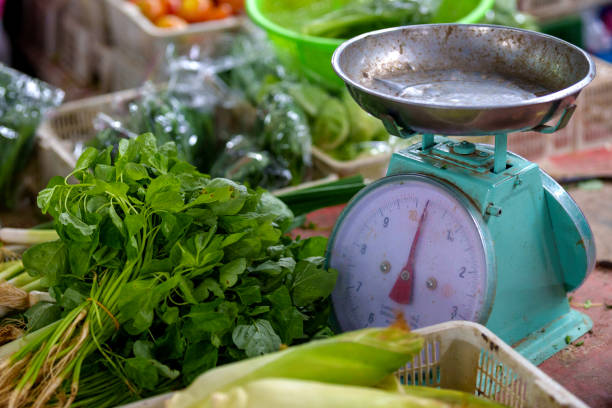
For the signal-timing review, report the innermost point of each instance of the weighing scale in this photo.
(458, 230)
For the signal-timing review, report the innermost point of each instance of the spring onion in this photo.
(26, 236)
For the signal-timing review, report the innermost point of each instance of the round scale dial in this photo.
(410, 245)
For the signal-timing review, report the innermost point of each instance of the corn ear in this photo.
(363, 357)
(454, 398)
(281, 392)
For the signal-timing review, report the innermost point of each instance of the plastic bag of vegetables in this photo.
(23, 102)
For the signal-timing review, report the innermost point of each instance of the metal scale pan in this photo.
(463, 79)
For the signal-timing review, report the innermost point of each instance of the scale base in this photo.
(554, 337)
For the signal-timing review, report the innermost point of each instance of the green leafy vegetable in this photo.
(161, 273)
(361, 16)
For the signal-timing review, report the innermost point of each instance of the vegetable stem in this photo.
(26, 236)
(38, 285)
(8, 273)
(21, 280)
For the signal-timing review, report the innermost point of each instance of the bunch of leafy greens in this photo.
(160, 273)
(23, 101)
(361, 16)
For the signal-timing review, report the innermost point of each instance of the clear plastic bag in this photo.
(23, 103)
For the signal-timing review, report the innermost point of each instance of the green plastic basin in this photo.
(281, 20)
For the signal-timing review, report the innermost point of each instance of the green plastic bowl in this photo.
(312, 55)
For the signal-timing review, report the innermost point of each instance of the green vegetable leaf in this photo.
(285, 318)
(312, 282)
(249, 294)
(228, 273)
(172, 344)
(141, 371)
(143, 349)
(75, 229)
(136, 171)
(41, 315)
(170, 315)
(209, 285)
(49, 259)
(86, 159)
(71, 298)
(256, 339)
(315, 246)
(199, 358)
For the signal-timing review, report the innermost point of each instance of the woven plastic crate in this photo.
(134, 34)
(595, 119)
(468, 357)
(71, 124)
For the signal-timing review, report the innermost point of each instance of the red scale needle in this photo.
(402, 289)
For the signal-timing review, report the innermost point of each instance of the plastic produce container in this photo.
(133, 33)
(312, 55)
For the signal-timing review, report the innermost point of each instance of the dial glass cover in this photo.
(408, 245)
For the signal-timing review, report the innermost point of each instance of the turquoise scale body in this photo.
(542, 242)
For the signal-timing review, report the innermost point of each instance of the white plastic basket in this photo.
(372, 167)
(133, 33)
(70, 124)
(468, 357)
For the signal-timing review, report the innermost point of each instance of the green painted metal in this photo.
(427, 142)
(501, 147)
(534, 234)
(554, 337)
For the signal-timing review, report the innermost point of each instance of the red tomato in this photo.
(170, 21)
(152, 9)
(195, 10)
(173, 6)
(237, 5)
(218, 13)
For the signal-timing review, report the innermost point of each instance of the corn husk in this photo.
(289, 393)
(363, 357)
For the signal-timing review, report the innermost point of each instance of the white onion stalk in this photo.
(18, 289)
(18, 236)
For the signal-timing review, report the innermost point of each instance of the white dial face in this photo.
(408, 246)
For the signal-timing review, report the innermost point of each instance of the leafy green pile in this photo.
(160, 274)
(361, 16)
(23, 101)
